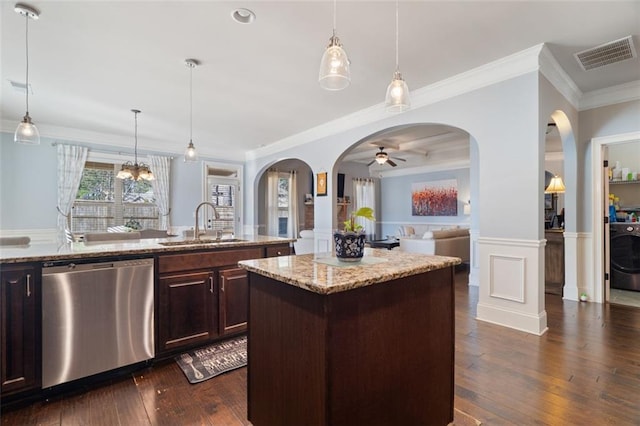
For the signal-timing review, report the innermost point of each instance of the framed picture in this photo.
(436, 198)
(548, 201)
(321, 184)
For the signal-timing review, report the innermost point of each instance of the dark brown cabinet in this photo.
(234, 296)
(20, 291)
(277, 250)
(554, 262)
(187, 311)
(201, 297)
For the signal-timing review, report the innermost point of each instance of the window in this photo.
(222, 188)
(103, 201)
(223, 196)
(283, 203)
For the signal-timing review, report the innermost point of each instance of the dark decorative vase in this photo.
(349, 245)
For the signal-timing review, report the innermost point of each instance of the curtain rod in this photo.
(105, 151)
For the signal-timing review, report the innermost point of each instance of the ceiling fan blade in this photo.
(391, 163)
(398, 159)
(371, 163)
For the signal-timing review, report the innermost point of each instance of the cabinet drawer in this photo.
(278, 250)
(206, 260)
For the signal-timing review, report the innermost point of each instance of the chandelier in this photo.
(135, 171)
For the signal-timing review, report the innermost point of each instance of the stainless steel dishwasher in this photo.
(95, 317)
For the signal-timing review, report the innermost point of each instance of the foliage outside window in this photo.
(103, 201)
(283, 204)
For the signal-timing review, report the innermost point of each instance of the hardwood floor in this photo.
(584, 371)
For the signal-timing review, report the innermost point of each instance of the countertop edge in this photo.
(71, 251)
(302, 281)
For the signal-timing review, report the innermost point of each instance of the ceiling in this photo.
(91, 62)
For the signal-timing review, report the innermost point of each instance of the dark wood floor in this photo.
(584, 371)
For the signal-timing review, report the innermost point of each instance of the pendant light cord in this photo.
(397, 36)
(135, 147)
(334, 17)
(190, 103)
(27, 55)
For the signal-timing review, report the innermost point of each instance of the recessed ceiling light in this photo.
(243, 16)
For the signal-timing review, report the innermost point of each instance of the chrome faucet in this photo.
(196, 229)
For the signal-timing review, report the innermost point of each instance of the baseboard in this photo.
(533, 324)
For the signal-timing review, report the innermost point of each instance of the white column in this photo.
(512, 284)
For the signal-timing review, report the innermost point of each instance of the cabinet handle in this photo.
(222, 284)
(28, 285)
(279, 253)
(211, 284)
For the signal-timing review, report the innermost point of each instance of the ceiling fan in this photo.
(382, 157)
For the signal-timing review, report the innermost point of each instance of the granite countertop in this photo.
(322, 274)
(38, 252)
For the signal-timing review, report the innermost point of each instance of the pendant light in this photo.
(334, 68)
(27, 132)
(397, 98)
(190, 155)
(135, 171)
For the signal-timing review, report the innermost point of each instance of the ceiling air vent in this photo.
(605, 54)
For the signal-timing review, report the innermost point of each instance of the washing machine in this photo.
(625, 256)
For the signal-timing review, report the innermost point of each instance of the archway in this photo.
(563, 244)
(301, 174)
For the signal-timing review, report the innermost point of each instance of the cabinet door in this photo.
(19, 294)
(234, 300)
(187, 310)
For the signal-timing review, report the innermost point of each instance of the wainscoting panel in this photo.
(507, 277)
(512, 283)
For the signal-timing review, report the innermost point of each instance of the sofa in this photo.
(445, 242)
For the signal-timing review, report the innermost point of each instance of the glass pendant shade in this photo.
(334, 68)
(27, 132)
(190, 154)
(397, 98)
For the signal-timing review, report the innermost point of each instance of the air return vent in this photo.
(605, 54)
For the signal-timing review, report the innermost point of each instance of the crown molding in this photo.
(502, 69)
(551, 69)
(114, 142)
(611, 95)
(451, 165)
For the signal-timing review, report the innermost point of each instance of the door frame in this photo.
(600, 286)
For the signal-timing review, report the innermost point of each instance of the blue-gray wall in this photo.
(396, 200)
(28, 184)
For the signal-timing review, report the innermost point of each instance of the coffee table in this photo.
(388, 243)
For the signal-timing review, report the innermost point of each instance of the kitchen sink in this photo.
(202, 241)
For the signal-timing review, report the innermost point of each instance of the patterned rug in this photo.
(204, 363)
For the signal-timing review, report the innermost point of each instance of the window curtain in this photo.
(71, 161)
(161, 168)
(272, 203)
(292, 220)
(365, 196)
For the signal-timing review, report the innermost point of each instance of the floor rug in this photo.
(204, 363)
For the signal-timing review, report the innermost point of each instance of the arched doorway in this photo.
(283, 190)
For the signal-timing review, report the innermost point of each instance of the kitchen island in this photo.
(345, 344)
